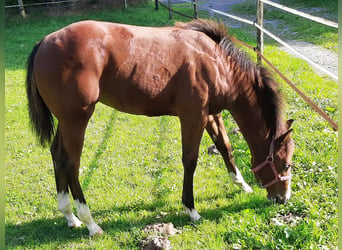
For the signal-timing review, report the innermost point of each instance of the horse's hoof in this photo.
(96, 232)
(194, 215)
(75, 223)
(74, 226)
(247, 189)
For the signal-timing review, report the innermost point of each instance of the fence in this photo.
(259, 49)
(169, 7)
(260, 31)
(259, 26)
(21, 6)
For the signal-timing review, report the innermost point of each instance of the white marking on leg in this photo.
(64, 205)
(239, 181)
(194, 215)
(83, 213)
(288, 192)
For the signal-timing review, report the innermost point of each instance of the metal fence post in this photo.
(260, 34)
(156, 4)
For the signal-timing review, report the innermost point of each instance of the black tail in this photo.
(40, 116)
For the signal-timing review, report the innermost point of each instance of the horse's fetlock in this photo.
(194, 215)
(64, 204)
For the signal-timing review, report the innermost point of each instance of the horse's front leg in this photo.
(192, 130)
(66, 155)
(216, 130)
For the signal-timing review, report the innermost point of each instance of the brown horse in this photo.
(192, 71)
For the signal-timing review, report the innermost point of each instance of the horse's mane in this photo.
(245, 70)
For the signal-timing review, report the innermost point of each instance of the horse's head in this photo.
(275, 171)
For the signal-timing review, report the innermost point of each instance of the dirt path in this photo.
(323, 57)
(222, 5)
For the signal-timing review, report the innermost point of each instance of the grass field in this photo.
(131, 170)
(286, 26)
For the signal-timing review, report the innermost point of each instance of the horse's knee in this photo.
(189, 161)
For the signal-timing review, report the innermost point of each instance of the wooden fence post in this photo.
(260, 34)
(195, 9)
(21, 8)
(170, 9)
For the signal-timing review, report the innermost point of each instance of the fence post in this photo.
(195, 9)
(21, 8)
(156, 4)
(170, 9)
(260, 34)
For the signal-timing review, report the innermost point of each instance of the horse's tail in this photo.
(41, 119)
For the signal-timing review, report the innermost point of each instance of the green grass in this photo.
(131, 170)
(291, 27)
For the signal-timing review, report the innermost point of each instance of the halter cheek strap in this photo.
(270, 160)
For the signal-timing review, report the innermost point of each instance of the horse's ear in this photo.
(284, 138)
(289, 123)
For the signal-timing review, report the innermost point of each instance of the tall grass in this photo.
(131, 169)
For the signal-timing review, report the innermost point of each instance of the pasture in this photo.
(131, 169)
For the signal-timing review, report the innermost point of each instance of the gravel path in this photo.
(222, 5)
(323, 57)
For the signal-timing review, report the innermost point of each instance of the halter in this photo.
(270, 160)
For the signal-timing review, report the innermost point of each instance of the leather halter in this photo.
(270, 161)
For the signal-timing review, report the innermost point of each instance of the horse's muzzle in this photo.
(281, 199)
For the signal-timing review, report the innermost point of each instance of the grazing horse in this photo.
(192, 71)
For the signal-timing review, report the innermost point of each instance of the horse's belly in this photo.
(150, 110)
(136, 103)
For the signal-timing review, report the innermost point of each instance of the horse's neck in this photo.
(249, 117)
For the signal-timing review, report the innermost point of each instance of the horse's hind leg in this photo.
(59, 162)
(216, 130)
(67, 152)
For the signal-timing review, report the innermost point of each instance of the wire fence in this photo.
(169, 8)
(62, 4)
(43, 4)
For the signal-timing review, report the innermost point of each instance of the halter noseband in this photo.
(270, 160)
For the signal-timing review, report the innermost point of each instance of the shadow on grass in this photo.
(44, 231)
(38, 232)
